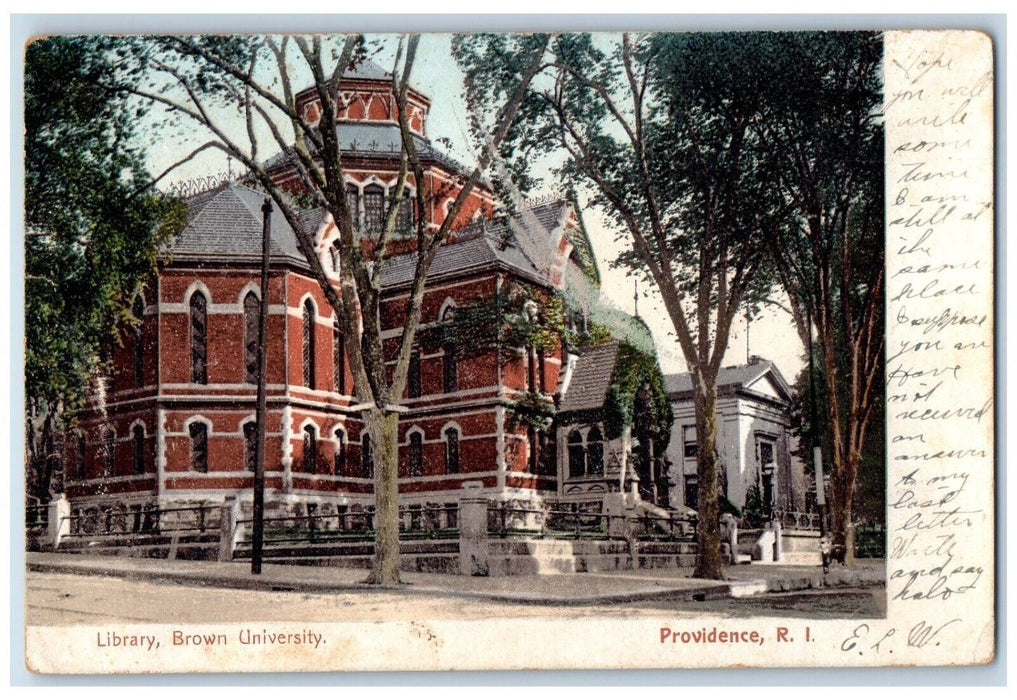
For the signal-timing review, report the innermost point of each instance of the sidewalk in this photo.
(556, 589)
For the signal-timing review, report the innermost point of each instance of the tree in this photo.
(823, 132)
(92, 231)
(658, 131)
(196, 78)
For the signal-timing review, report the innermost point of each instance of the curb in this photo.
(706, 591)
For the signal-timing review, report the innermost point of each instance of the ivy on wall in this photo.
(637, 396)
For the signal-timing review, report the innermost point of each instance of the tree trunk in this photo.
(383, 427)
(708, 562)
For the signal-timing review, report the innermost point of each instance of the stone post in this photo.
(778, 545)
(229, 531)
(616, 509)
(59, 520)
(473, 551)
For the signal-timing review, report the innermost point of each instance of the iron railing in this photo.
(570, 521)
(140, 519)
(796, 520)
(430, 521)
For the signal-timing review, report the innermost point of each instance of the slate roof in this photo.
(734, 378)
(521, 248)
(471, 252)
(591, 378)
(226, 223)
(368, 70)
(379, 140)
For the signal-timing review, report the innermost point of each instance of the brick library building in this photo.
(174, 423)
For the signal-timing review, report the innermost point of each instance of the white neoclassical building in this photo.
(752, 436)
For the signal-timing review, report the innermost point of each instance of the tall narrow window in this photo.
(109, 448)
(82, 457)
(416, 454)
(541, 375)
(338, 360)
(531, 439)
(595, 452)
(577, 455)
(139, 342)
(353, 202)
(451, 451)
(404, 219)
(308, 345)
(413, 378)
(310, 449)
(252, 317)
(366, 458)
(333, 254)
(449, 369)
(340, 452)
(138, 451)
(199, 329)
(374, 209)
(199, 446)
(251, 446)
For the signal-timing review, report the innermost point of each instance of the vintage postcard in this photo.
(508, 351)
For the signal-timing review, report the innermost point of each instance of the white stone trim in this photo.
(195, 286)
(249, 287)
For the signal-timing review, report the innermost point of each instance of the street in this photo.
(69, 599)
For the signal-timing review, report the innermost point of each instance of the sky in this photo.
(771, 335)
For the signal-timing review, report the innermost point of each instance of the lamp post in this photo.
(258, 536)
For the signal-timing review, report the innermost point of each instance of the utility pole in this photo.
(258, 537)
(817, 450)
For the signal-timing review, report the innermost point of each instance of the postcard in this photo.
(509, 351)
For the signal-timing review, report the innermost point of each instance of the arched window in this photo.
(374, 209)
(252, 318)
(450, 369)
(413, 377)
(404, 219)
(595, 452)
(139, 342)
(451, 450)
(138, 451)
(416, 454)
(109, 450)
(199, 446)
(340, 452)
(199, 329)
(338, 359)
(308, 344)
(366, 457)
(353, 202)
(310, 449)
(577, 455)
(251, 446)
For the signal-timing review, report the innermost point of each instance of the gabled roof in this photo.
(591, 378)
(734, 379)
(225, 223)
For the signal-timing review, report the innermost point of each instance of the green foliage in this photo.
(92, 227)
(518, 317)
(636, 397)
(533, 410)
(754, 514)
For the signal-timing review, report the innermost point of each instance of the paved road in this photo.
(55, 599)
